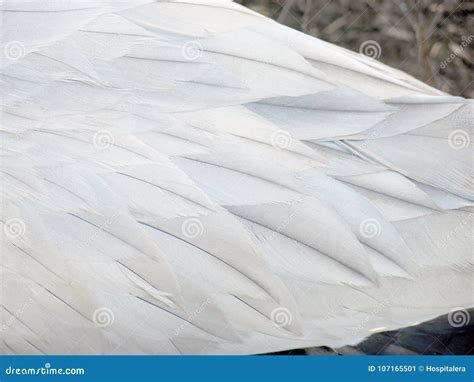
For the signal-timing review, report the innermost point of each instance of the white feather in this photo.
(201, 172)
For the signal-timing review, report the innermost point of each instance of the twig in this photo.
(285, 11)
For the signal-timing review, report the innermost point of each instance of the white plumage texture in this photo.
(189, 177)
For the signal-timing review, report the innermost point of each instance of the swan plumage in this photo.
(190, 177)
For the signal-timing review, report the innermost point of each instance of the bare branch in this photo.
(285, 11)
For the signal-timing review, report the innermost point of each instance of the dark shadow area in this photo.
(451, 334)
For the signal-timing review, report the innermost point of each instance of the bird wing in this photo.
(192, 177)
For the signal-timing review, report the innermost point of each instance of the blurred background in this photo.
(432, 40)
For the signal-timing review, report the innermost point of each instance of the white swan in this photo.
(192, 177)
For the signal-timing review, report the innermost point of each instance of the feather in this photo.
(194, 178)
